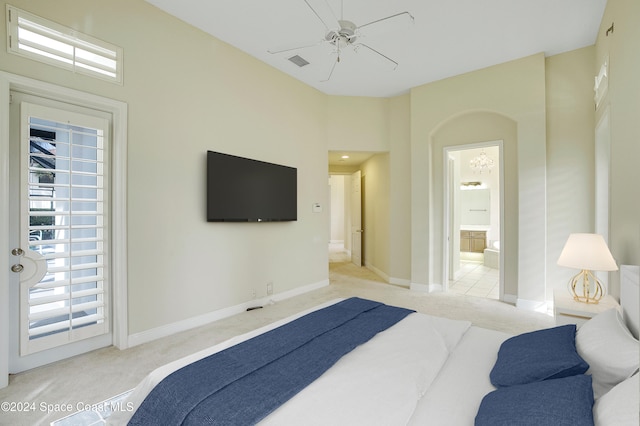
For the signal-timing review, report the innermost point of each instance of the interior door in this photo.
(356, 218)
(452, 262)
(59, 231)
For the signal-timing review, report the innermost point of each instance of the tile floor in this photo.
(475, 279)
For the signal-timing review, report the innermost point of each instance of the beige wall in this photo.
(570, 156)
(621, 47)
(400, 188)
(338, 208)
(375, 186)
(212, 96)
(515, 90)
(187, 93)
(357, 123)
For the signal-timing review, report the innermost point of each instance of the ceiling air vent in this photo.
(299, 60)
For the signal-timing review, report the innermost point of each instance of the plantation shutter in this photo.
(42, 40)
(66, 221)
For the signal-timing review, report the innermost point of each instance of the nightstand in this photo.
(568, 311)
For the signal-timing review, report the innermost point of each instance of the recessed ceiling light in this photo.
(344, 157)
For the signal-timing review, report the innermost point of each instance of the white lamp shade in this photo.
(587, 251)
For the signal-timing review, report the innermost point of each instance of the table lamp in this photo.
(587, 252)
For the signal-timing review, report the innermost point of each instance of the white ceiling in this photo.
(448, 37)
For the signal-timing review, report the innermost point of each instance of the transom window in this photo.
(39, 39)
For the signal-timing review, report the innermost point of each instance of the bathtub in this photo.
(492, 256)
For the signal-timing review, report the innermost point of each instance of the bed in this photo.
(410, 369)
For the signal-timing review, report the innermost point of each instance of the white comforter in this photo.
(424, 370)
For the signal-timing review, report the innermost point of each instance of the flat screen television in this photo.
(245, 190)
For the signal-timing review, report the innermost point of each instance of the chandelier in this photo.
(481, 163)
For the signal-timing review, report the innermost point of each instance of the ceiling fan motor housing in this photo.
(344, 36)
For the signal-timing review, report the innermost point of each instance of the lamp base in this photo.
(586, 280)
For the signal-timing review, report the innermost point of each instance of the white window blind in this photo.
(67, 226)
(37, 38)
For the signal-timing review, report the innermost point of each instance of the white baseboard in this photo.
(391, 280)
(427, 288)
(377, 271)
(510, 298)
(400, 281)
(297, 291)
(436, 288)
(189, 323)
(419, 287)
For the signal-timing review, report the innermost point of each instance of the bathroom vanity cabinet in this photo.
(473, 241)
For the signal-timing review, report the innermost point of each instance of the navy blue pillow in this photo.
(559, 402)
(536, 356)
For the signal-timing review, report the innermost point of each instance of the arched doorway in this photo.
(477, 129)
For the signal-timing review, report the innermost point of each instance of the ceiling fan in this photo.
(342, 34)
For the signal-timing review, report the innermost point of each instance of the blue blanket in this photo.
(244, 383)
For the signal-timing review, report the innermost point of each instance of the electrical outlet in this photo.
(270, 288)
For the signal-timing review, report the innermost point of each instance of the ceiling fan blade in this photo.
(324, 13)
(397, 22)
(374, 55)
(291, 46)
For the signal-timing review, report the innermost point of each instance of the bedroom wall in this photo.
(515, 90)
(375, 184)
(357, 123)
(621, 47)
(337, 231)
(570, 155)
(188, 92)
(185, 101)
(400, 190)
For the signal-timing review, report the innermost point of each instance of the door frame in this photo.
(603, 183)
(357, 179)
(118, 111)
(446, 207)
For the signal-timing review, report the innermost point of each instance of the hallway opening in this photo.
(340, 218)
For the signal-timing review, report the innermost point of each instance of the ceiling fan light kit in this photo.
(342, 34)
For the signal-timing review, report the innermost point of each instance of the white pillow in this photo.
(611, 351)
(620, 406)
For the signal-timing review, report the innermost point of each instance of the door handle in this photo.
(31, 266)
